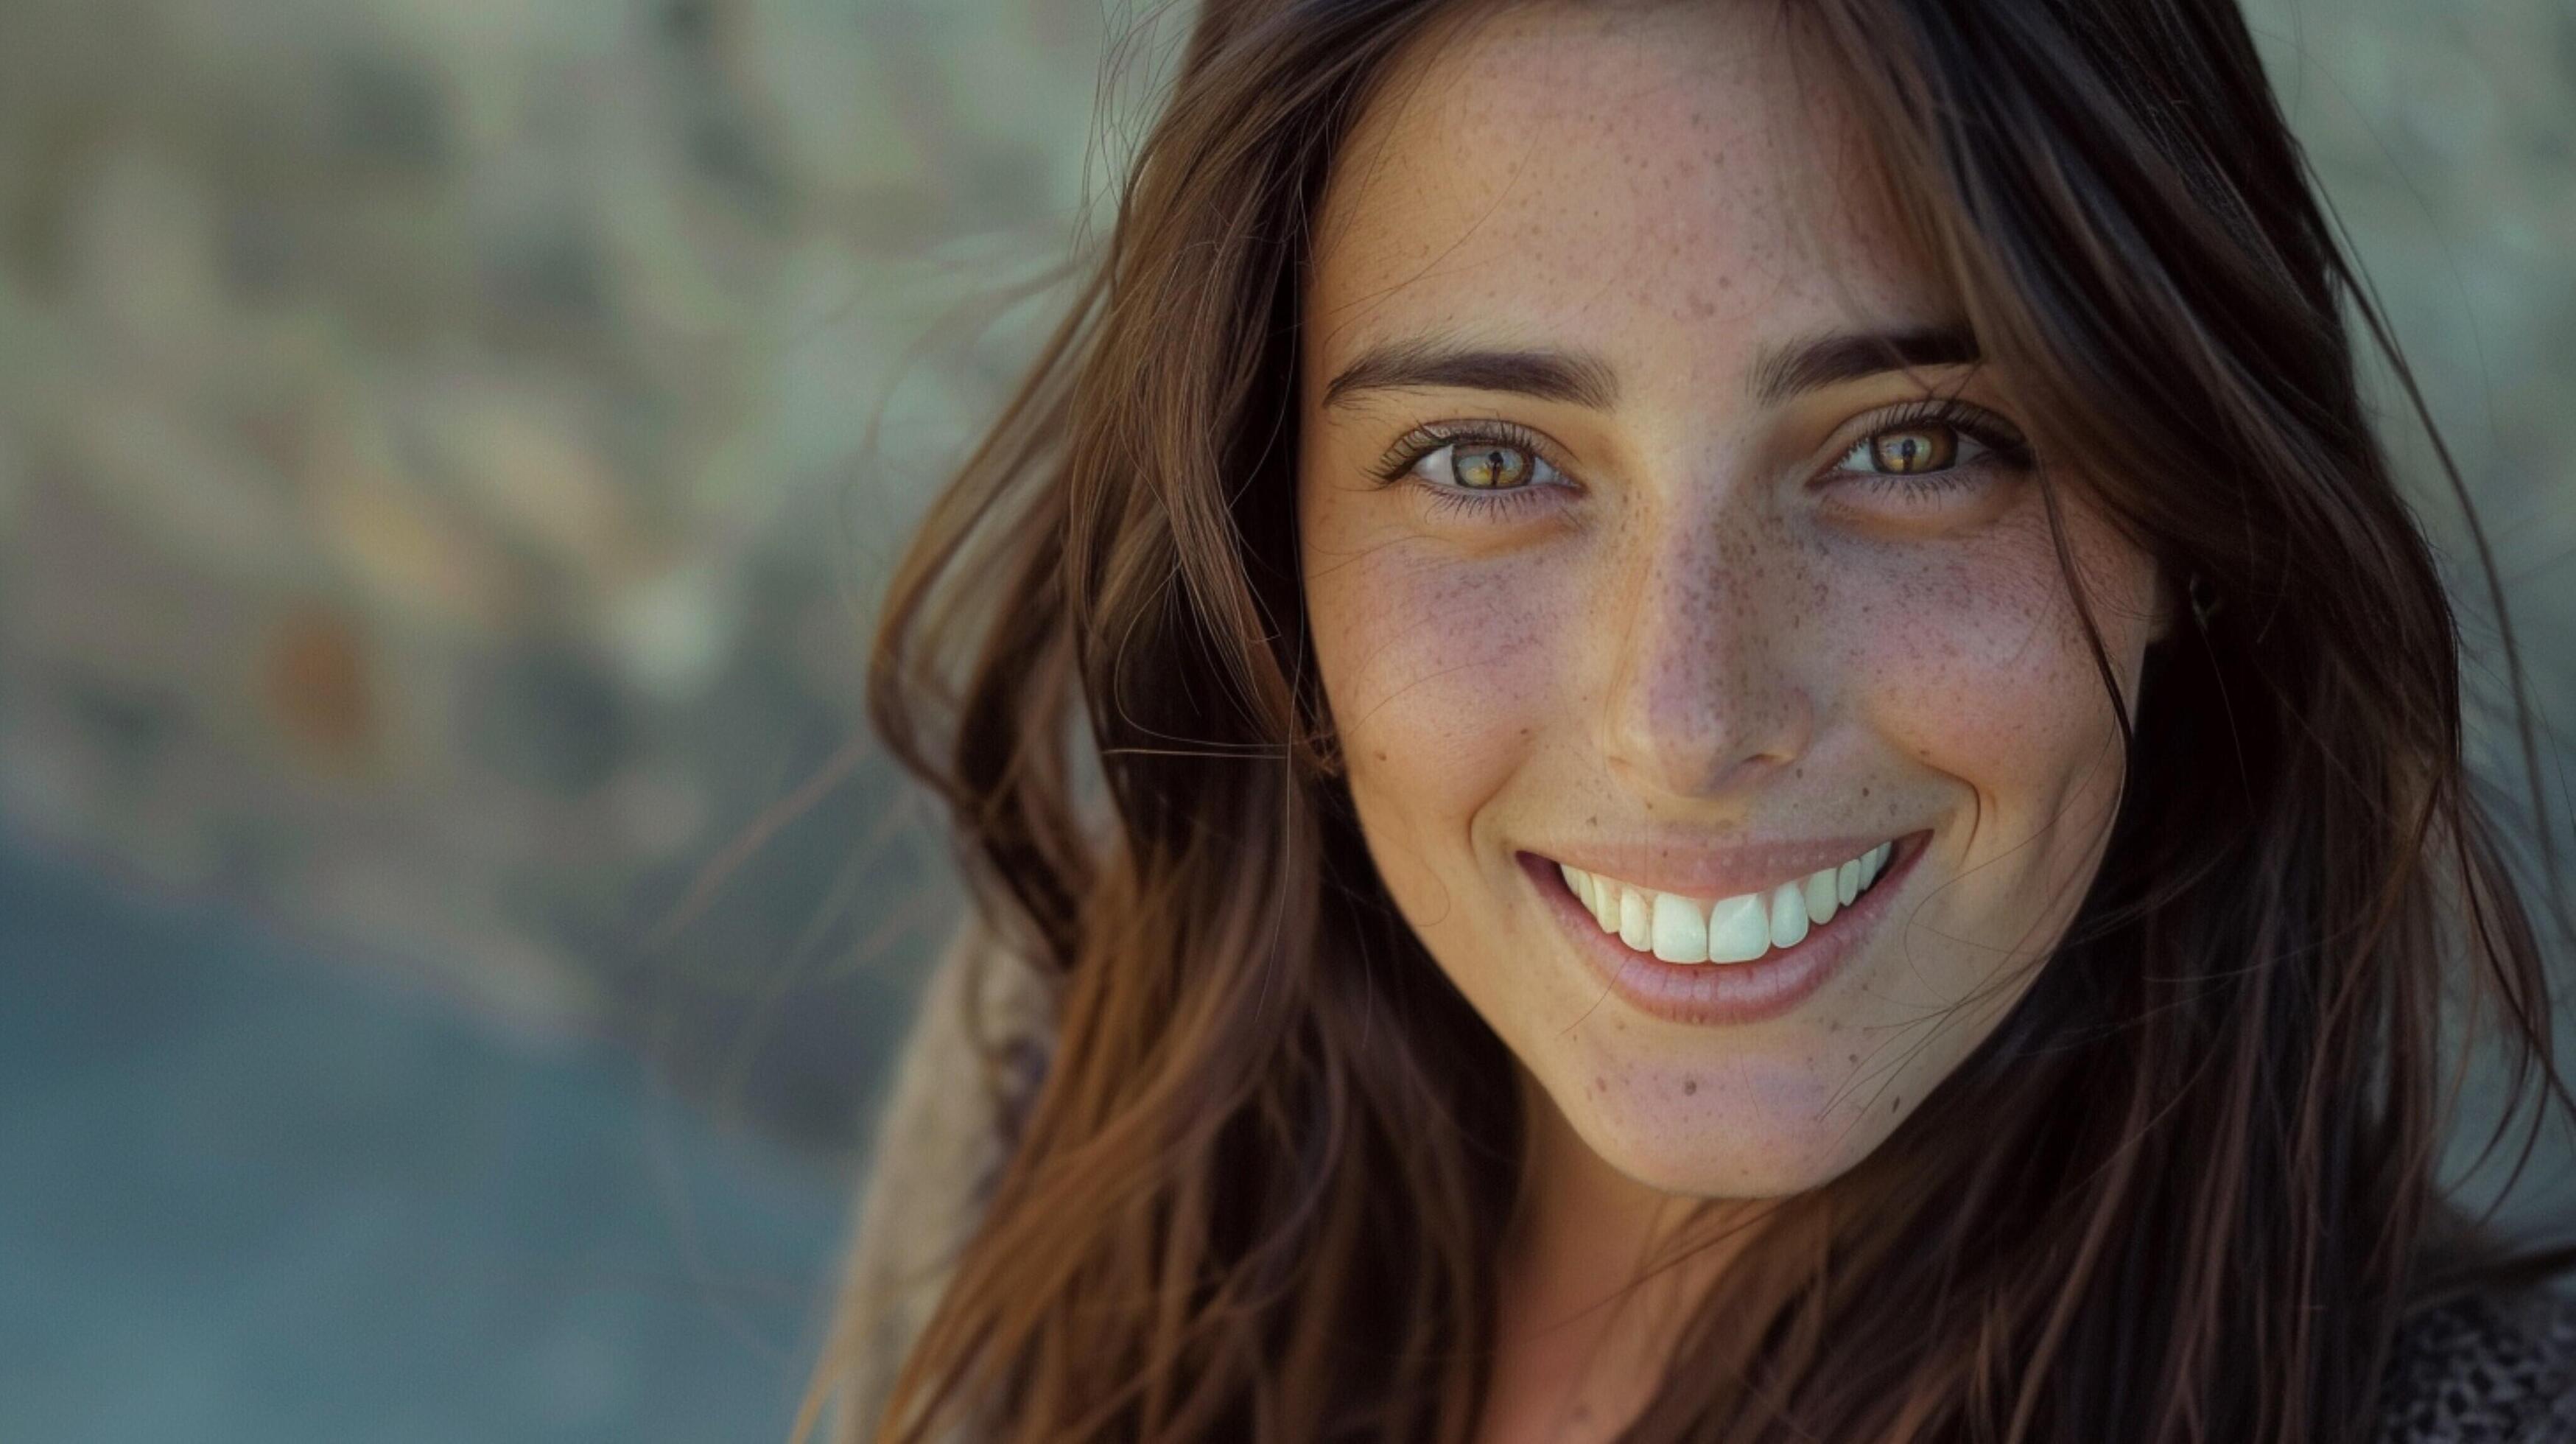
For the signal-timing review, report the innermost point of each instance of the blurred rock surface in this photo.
(438, 500)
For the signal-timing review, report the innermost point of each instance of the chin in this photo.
(1742, 1130)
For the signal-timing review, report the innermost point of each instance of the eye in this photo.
(1473, 464)
(1932, 446)
(1914, 449)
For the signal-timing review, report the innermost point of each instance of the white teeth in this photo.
(1636, 919)
(1821, 901)
(1681, 930)
(1788, 915)
(1598, 897)
(1733, 930)
(1739, 929)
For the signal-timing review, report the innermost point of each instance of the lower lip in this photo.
(1715, 994)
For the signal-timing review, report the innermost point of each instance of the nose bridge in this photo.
(1706, 692)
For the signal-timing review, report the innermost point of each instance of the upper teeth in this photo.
(1737, 929)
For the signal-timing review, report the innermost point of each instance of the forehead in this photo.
(1668, 185)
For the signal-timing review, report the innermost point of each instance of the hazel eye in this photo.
(1913, 449)
(1491, 466)
(1482, 465)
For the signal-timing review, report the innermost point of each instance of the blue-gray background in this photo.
(451, 923)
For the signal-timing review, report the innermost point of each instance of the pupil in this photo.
(1490, 468)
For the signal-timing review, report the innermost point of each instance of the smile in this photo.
(1774, 945)
(1738, 929)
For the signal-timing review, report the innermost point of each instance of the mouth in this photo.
(1738, 958)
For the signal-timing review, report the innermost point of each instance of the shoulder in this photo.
(2484, 1369)
(974, 1054)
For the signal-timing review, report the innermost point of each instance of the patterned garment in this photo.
(2482, 1370)
(2479, 1370)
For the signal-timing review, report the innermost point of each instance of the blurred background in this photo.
(452, 922)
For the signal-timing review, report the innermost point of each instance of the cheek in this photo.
(1439, 675)
(1985, 681)
(1980, 668)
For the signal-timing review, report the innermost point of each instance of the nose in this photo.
(1706, 694)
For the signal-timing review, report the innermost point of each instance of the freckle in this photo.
(1381, 757)
(1599, 1085)
(1690, 1085)
(1864, 792)
(1855, 1057)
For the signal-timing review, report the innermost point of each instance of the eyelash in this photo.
(2003, 445)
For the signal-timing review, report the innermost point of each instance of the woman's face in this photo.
(1624, 555)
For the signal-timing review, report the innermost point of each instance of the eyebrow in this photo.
(1823, 361)
(1426, 363)
(1584, 379)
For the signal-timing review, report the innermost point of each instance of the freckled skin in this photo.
(1694, 631)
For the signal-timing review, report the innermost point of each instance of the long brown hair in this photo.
(2186, 1190)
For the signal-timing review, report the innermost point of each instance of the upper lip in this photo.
(1697, 870)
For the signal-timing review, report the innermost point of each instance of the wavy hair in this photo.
(2187, 1190)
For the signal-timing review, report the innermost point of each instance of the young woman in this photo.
(1700, 720)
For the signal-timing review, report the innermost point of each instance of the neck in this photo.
(1599, 1275)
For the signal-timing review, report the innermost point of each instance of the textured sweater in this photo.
(2482, 1370)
